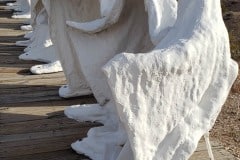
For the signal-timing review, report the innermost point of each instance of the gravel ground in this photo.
(227, 127)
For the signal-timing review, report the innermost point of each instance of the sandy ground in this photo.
(227, 127)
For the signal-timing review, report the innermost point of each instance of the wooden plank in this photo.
(57, 155)
(6, 44)
(12, 60)
(17, 78)
(42, 135)
(11, 47)
(34, 146)
(22, 69)
(10, 53)
(11, 39)
(21, 112)
(21, 89)
(9, 32)
(42, 125)
(38, 96)
(11, 115)
(13, 26)
(47, 79)
(10, 20)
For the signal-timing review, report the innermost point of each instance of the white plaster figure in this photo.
(61, 11)
(40, 47)
(134, 22)
(168, 98)
(168, 85)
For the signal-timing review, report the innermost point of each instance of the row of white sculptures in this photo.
(160, 70)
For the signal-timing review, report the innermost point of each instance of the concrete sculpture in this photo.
(76, 83)
(40, 47)
(22, 8)
(165, 86)
(192, 72)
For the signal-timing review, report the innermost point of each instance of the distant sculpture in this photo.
(166, 84)
(76, 82)
(39, 46)
(22, 7)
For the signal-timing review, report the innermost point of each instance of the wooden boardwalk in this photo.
(32, 123)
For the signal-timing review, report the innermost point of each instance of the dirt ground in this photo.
(227, 127)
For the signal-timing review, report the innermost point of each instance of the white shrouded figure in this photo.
(24, 8)
(55, 64)
(40, 47)
(76, 83)
(170, 97)
(93, 52)
(105, 44)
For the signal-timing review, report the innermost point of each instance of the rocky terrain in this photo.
(227, 127)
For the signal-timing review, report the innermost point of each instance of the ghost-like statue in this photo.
(168, 98)
(166, 73)
(39, 47)
(23, 8)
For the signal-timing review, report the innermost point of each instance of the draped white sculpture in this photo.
(61, 11)
(168, 84)
(168, 98)
(22, 6)
(40, 47)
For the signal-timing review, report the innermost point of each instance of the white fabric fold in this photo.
(169, 97)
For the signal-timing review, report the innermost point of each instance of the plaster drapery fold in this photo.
(61, 11)
(94, 50)
(169, 97)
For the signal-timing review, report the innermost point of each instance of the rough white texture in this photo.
(169, 97)
(52, 67)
